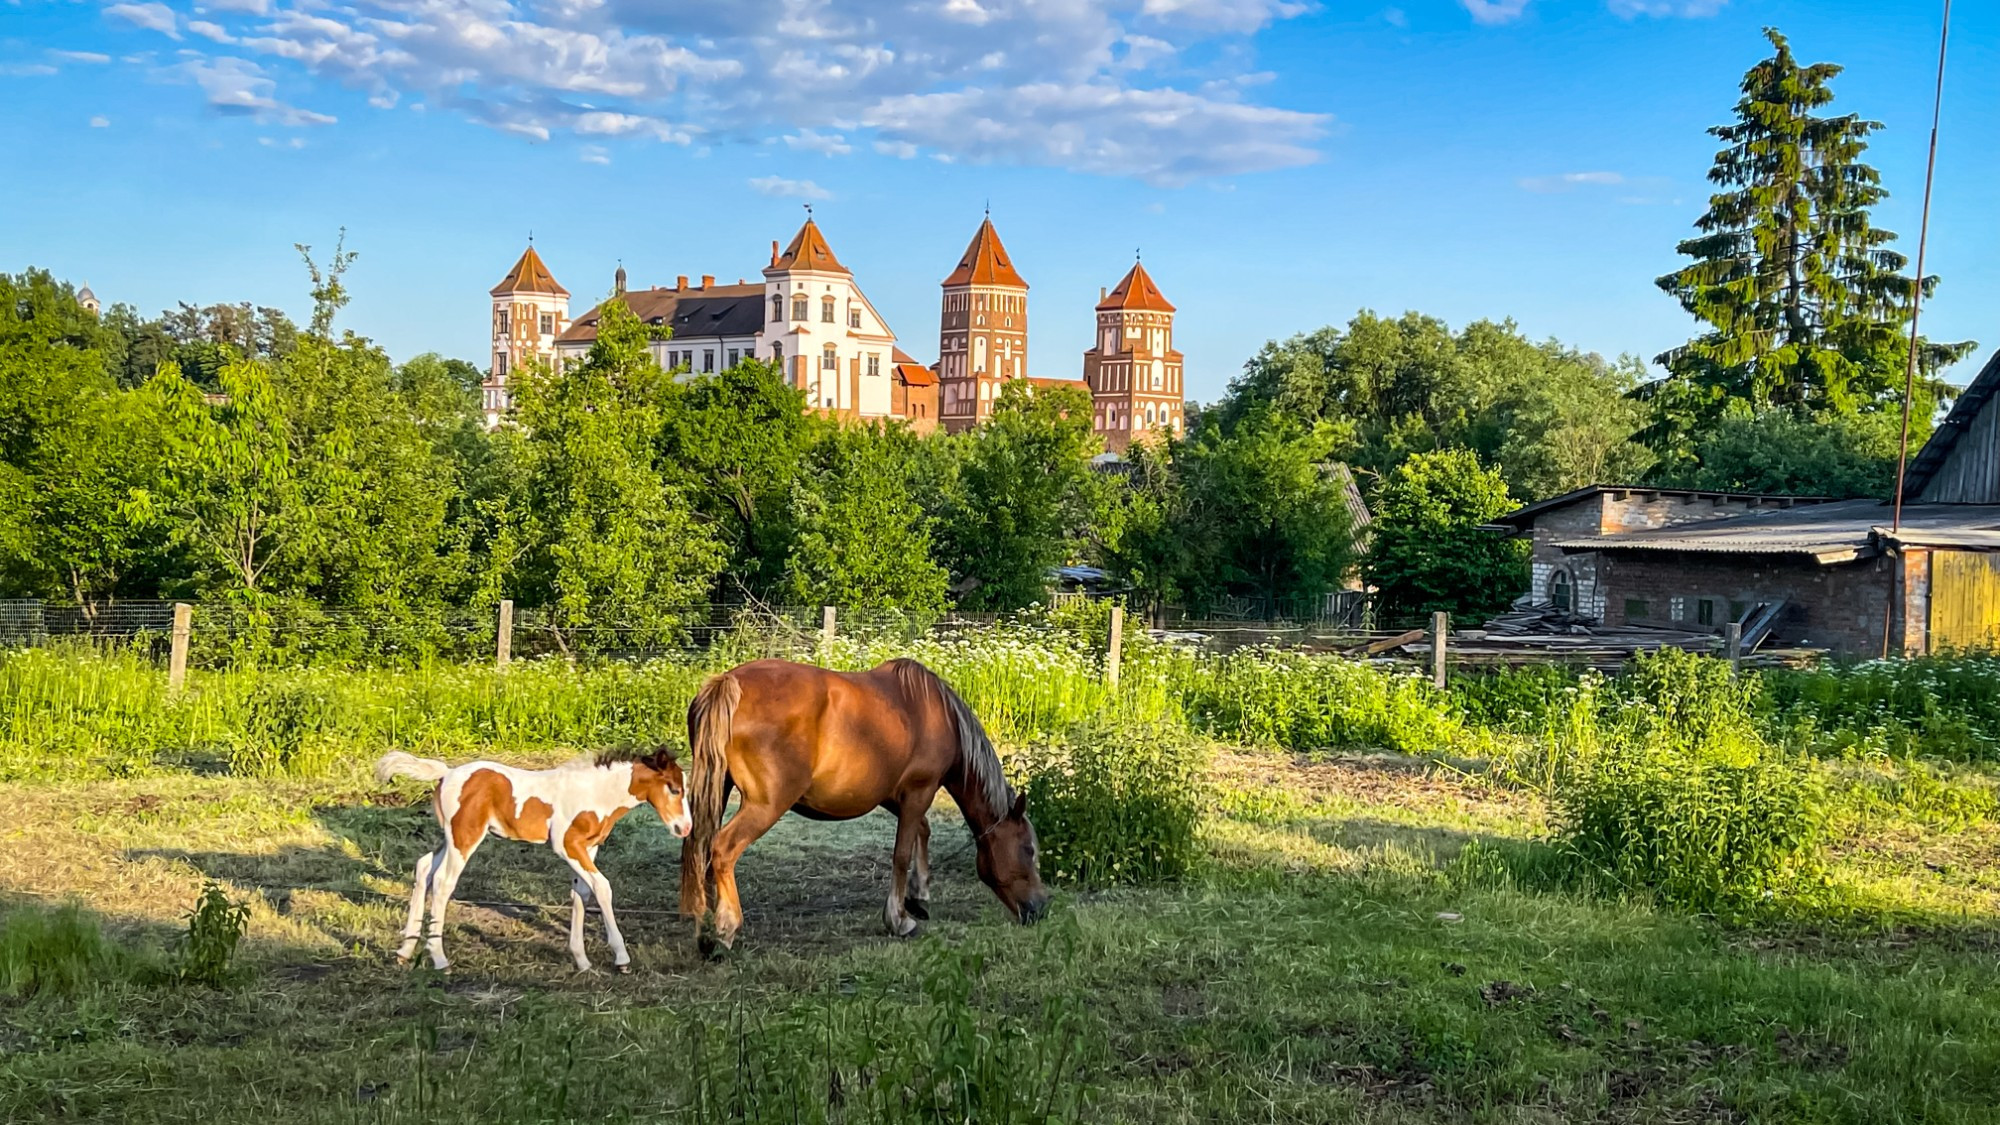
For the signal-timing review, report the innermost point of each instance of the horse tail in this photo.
(708, 743)
(398, 764)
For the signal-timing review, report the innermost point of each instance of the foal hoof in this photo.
(624, 970)
(917, 909)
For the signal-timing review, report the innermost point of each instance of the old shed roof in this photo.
(1829, 533)
(1521, 519)
(1955, 426)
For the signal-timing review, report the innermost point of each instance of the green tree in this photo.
(601, 539)
(1803, 300)
(1140, 539)
(1426, 550)
(859, 538)
(1267, 513)
(229, 487)
(1779, 452)
(1023, 494)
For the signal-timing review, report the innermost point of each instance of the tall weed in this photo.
(1117, 806)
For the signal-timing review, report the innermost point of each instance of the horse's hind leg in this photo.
(413, 929)
(752, 820)
(918, 902)
(578, 892)
(444, 878)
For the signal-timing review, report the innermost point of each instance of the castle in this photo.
(810, 318)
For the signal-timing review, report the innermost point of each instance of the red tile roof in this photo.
(1137, 291)
(912, 373)
(985, 262)
(1044, 384)
(809, 251)
(529, 275)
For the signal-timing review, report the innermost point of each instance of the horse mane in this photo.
(975, 747)
(658, 758)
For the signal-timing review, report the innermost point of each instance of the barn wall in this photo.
(1971, 472)
(1843, 608)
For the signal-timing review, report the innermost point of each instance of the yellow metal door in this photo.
(1965, 600)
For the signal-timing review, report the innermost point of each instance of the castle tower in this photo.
(529, 311)
(823, 333)
(1134, 373)
(982, 331)
(88, 299)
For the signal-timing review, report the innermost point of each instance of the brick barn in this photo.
(1836, 575)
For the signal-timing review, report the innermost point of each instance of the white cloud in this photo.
(1495, 11)
(239, 88)
(100, 122)
(91, 57)
(1697, 9)
(27, 70)
(152, 17)
(826, 144)
(274, 142)
(1395, 17)
(595, 154)
(1549, 185)
(829, 76)
(782, 188)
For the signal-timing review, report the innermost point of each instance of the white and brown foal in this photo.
(571, 807)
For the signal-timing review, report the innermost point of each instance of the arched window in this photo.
(978, 354)
(777, 307)
(826, 309)
(829, 360)
(1559, 590)
(801, 307)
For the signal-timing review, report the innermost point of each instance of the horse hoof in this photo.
(710, 949)
(917, 909)
(624, 970)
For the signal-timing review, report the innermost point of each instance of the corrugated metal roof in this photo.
(1521, 518)
(1831, 533)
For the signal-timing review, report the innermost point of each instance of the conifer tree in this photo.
(1804, 299)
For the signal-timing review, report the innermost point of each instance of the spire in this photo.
(618, 279)
(986, 261)
(529, 275)
(809, 251)
(1137, 291)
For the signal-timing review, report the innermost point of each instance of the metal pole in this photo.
(503, 642)
(826, 634)
(1440, 625)
(1732, 643)
(1917, 286)
(1112, 656)
(177, 657)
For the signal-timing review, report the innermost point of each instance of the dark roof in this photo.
(1944, 439)
(1829, 533)
(719, 310)
(1520, 518)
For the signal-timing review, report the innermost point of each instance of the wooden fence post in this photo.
(177, 656)
(1732, 643)
(828, 629)
(1440, 625)
(1117, 648)
(503, 641)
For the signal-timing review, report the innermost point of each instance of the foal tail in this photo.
(708, 741)
(398, 764)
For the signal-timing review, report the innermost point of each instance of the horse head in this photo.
(1009, 864)
(656, 780)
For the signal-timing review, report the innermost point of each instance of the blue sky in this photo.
(1281, 163)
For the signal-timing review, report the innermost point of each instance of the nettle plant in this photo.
(1117, 805)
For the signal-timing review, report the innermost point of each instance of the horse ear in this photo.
(1020, 808)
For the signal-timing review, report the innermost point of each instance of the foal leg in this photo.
(444, 880)
(918, 904)
(583, 861)
(578, 892)
(414, 927)
(908, 821)
(752, 820)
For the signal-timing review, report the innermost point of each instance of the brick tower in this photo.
(982, 331)
(529, 311)
(1134, 373)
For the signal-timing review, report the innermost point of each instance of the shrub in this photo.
(1117, 806)
(214, 926)
(1301, 702)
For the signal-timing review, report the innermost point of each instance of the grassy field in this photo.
(1372, 937)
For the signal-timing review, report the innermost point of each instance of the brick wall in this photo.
(1843, 608)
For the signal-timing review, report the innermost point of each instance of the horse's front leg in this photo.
(909, 825)
(918, 904)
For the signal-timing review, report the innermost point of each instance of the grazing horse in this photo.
(835, 746)
(571, 808)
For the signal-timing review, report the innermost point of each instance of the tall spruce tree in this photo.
(1805, 301)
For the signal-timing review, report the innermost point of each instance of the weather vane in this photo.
(809, 211)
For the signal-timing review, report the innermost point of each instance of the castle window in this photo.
(708, 359)
(854, 318)
(777, 307)
(778, 354)
(506, 322)
(828, 360)
(735, 356)
(874, 364)
(801, 308)
(826, 309)
(500, 363)
(548, 324)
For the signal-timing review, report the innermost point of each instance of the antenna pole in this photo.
(1917, 286)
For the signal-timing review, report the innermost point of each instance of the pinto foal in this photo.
(571, 807)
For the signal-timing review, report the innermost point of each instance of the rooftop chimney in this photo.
(1102, 292)
(774, 251)
(681, 282)
(708, 281)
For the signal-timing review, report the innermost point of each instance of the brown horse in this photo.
(835, 746)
